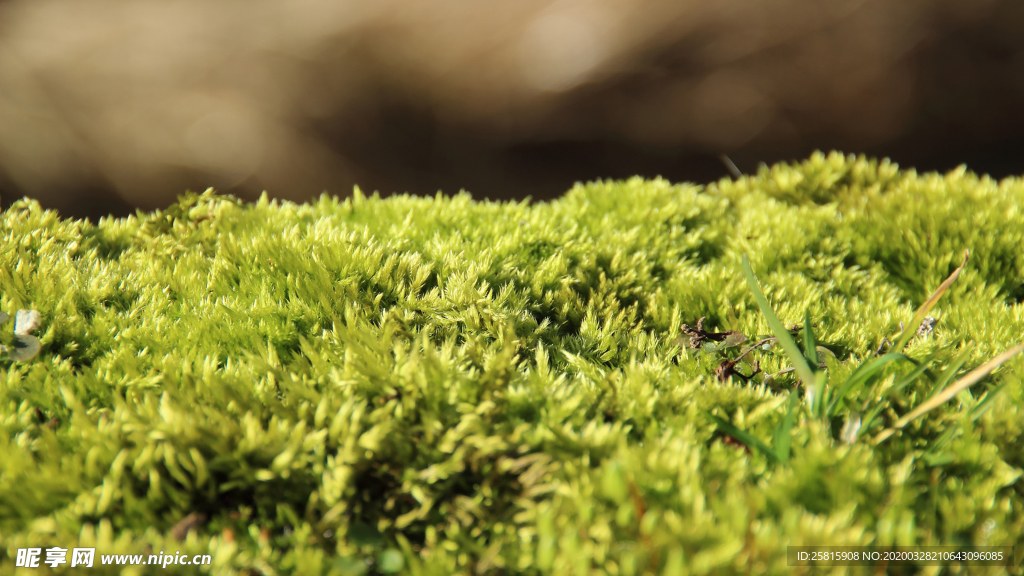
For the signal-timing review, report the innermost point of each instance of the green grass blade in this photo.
(818, 405)
(935, 456)
(870, 417)
(810, 346)
(951, 370)
(986, 402)
(743, 436)
(913, 375)
(942, 397)
(911, 329)
(792, 350)
(860, 376)
(941, 442)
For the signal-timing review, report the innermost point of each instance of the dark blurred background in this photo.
(109, 105)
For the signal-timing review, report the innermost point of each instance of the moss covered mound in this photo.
(441, 386)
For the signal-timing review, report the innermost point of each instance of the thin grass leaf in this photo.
(782, 433)
(909, 379)
(983, 406)
(910, 330)
(870, 417)
(743, 436)
(792, 350)
(951, 371)
(942, 441)
(935, 456)
(971, 378)
(3, 317)
(809, 344)
(860, 376)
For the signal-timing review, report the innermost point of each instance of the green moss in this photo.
(441, 386)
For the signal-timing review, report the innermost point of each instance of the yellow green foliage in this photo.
(438, 386)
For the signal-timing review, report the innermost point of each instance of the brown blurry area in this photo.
(111, 105)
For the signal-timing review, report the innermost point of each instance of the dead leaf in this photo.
(698, 336)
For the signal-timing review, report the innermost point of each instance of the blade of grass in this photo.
(941, 442)
(915, 323)
(971, 378)
(935, 455)
(810, 347)
(792, 350)
(986, 402)
(862, 375)
(951, 370)
(820, 386)
(912, 376)
(870, 417)
(743, 436)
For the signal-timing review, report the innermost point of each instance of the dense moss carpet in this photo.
(442, 386)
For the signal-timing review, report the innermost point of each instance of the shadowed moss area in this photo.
(441, 386)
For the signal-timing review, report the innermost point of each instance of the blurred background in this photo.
(111, 105)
